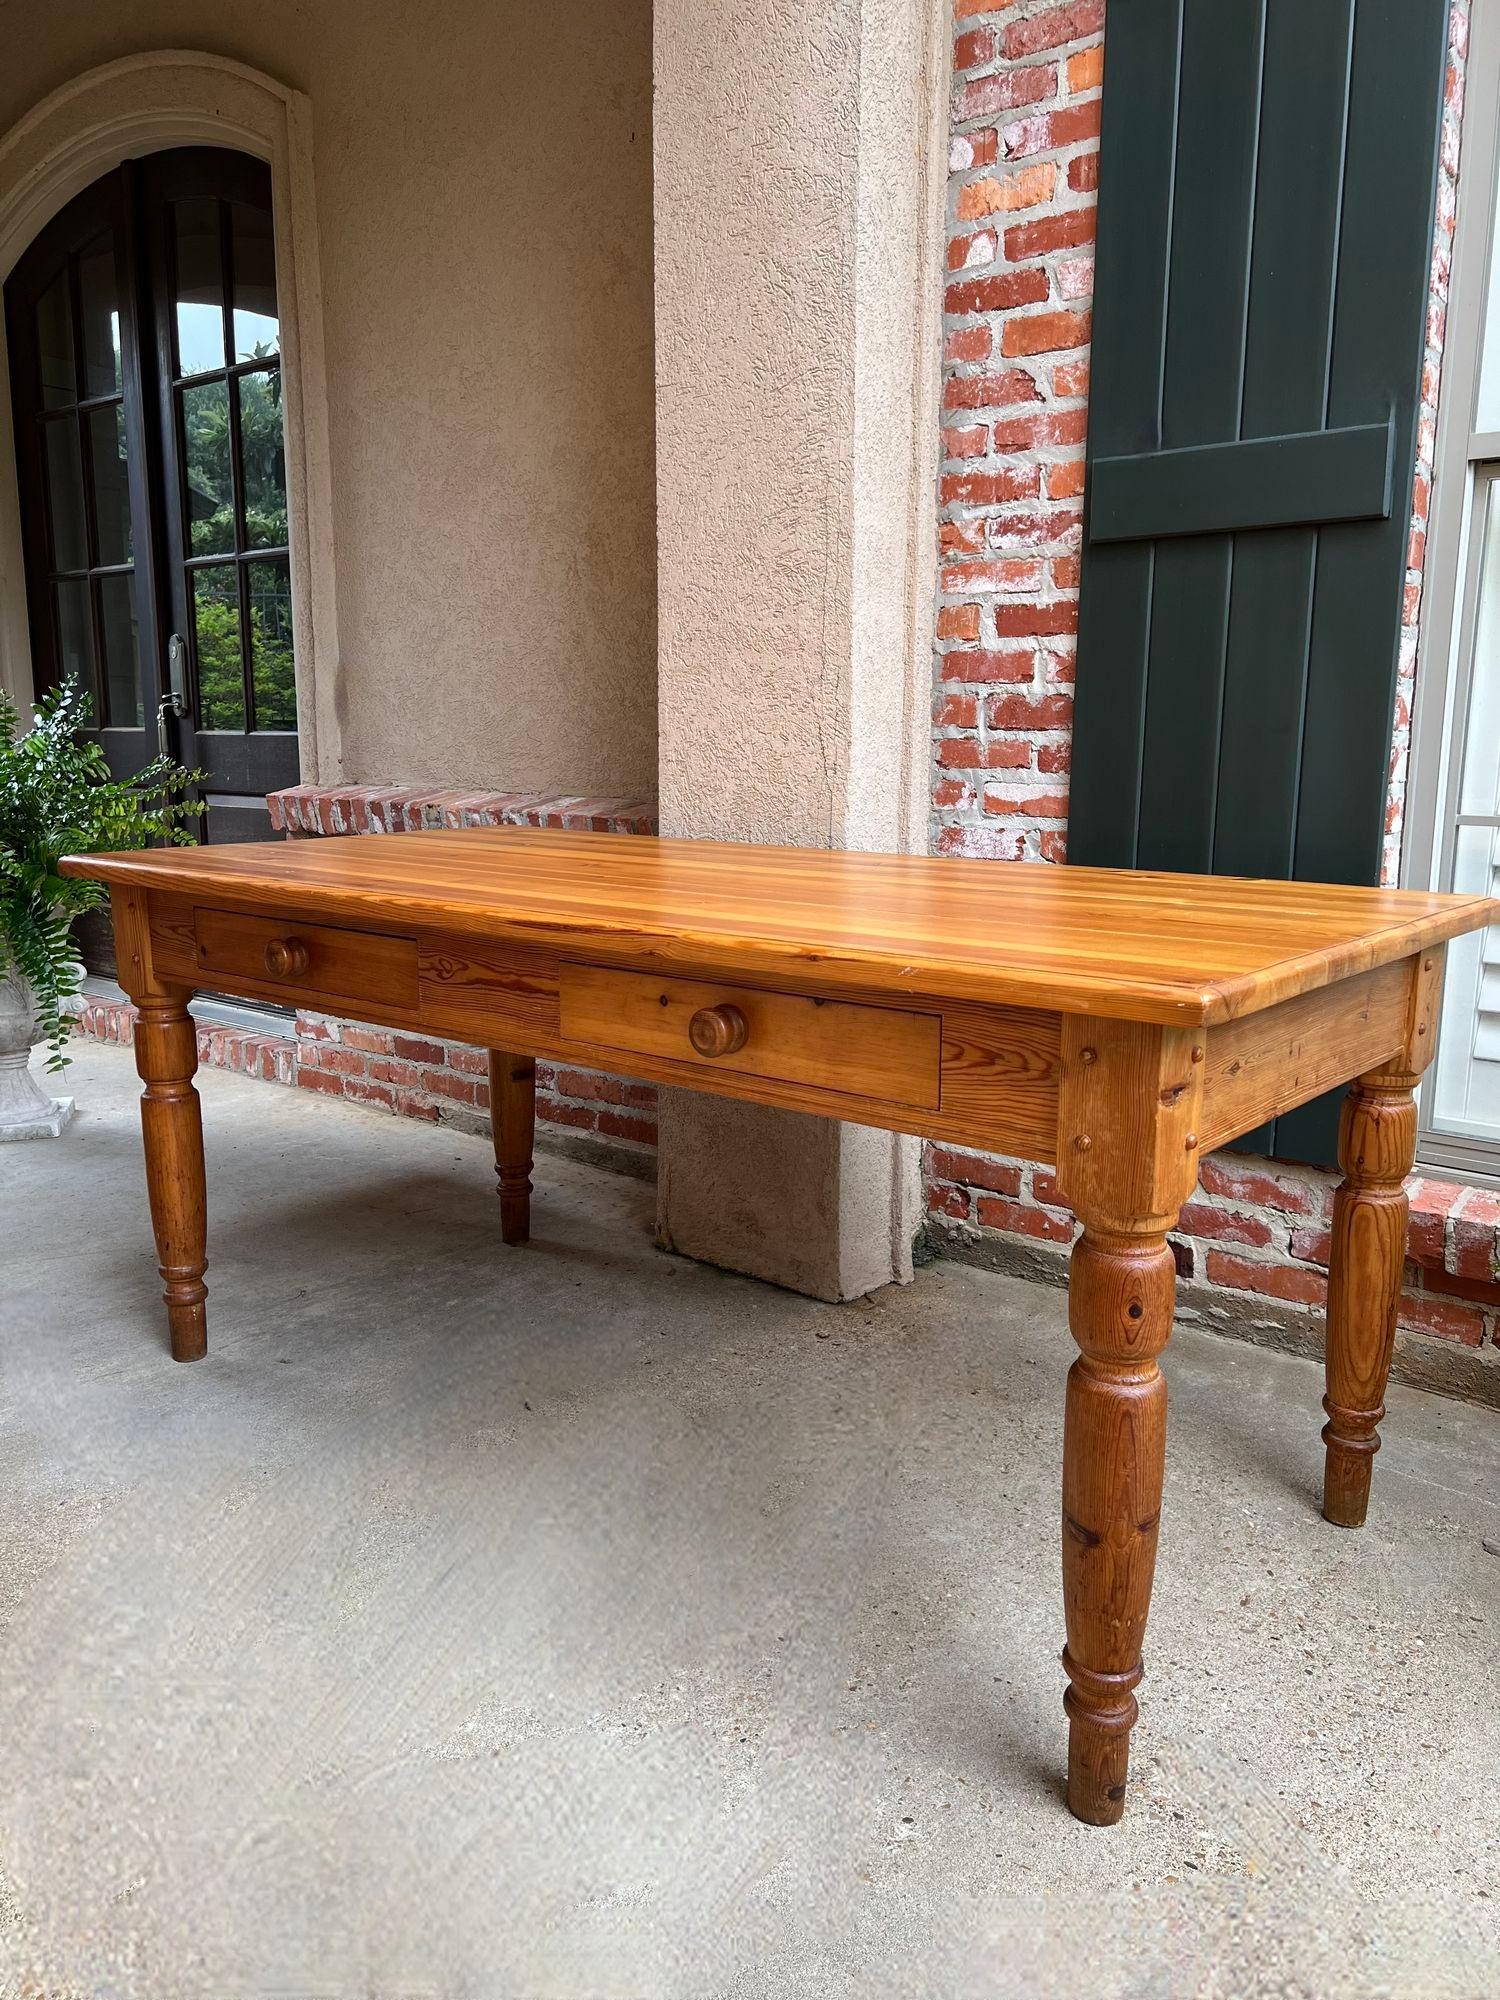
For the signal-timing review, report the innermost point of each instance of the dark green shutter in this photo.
(1266, 188)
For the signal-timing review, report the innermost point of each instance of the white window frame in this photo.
(1466, 469)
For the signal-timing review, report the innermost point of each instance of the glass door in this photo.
(81, 459)
(227, 562)
(146, 380)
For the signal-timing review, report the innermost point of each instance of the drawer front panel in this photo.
(277, 953)
(877, 1052)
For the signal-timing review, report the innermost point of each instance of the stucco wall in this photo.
(798, 188)
(483, 199)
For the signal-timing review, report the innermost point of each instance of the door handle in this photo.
(170, 704)
(174, 702)
(177, 674)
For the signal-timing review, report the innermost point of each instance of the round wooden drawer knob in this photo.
(718, 1031)
(286, 958)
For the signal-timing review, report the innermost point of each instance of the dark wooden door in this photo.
(216, 341)
(146, 379)
(87, 518)
(1267, 184)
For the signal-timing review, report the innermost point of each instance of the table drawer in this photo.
(877, 1052)
(306, 959)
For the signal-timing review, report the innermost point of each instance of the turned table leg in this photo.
(1377, 1144)
(166, 1054)
(1120, 1293)
(512, 1124)
(1126, 1159)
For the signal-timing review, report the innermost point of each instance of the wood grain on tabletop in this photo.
(1170, 948)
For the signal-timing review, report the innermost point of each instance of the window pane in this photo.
(271, 645)
(253, 259)
(54, 343)
(210, 486)
(1487, 412)
(264, 460)
(70, 544)
(200, 287)
(100, 300)
(106, 432)
(1480, 790)
(122, 658)
(1465, 1085)
(216, 613)
(75, 634)
(1464, 1091)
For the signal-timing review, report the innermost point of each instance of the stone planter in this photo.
(26, 1111)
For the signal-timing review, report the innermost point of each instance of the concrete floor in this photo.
(581, 1622)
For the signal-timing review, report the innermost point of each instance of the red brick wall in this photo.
(1255, 1231)
(1027, 92)
(417, 1076)
(1024, 157)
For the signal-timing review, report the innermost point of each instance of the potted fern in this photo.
(57, 797)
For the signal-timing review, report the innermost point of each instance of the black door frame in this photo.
(101, 209)
(249, 764)
(131, 204)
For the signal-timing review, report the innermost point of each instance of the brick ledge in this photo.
(1451, 1367)
(1255, 1227)
(302, 810)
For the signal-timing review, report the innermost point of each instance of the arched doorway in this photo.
(146, 374)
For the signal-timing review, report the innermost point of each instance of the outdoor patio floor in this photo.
(578, 1621)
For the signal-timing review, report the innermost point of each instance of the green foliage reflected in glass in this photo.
(221, 671)
(271, 646)
(265, 460)
(210, 482)
(206, 448)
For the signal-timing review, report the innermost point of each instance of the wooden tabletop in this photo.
(1184, 949)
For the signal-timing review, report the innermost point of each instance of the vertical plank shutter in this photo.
(1267, 180)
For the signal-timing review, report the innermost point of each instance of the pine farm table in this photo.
(1115, 1025)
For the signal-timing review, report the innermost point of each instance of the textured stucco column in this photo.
(799, 168)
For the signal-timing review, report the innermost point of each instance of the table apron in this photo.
(999, 1069)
